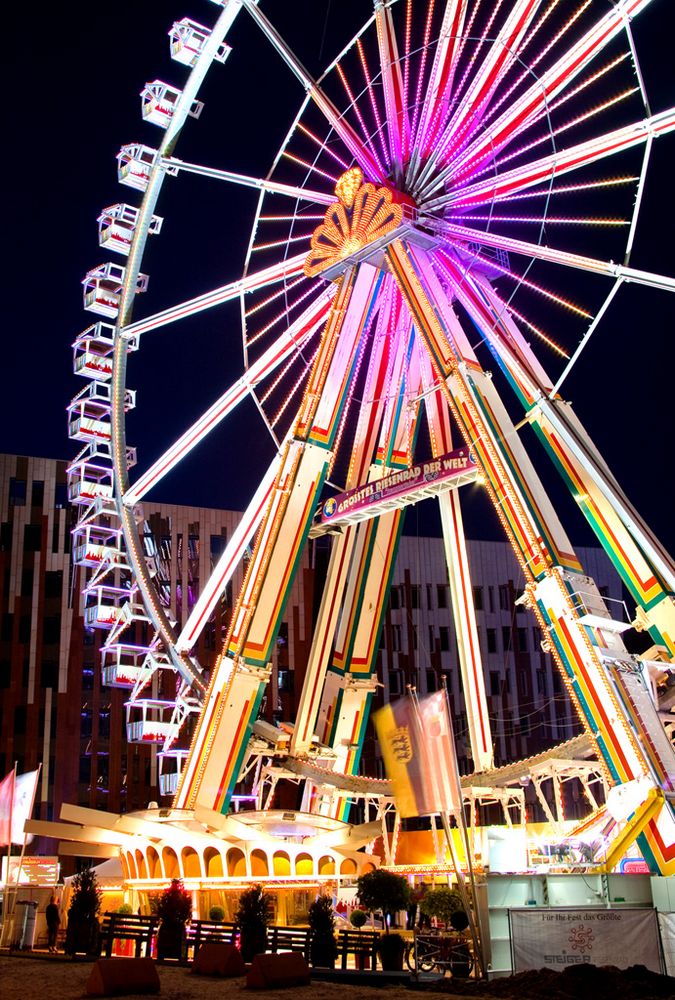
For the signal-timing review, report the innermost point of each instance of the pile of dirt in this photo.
(580, 982)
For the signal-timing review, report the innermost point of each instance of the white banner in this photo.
(667, 924)
(561, 937)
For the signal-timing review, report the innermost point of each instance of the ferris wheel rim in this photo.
(149, 201)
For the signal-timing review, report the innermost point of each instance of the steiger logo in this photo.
(401, 745)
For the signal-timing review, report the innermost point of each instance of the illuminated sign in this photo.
(398, 484)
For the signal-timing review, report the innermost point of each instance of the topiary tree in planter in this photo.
(82, 932)
(254, 915)
(323, 946)
(217, 914)
(441, 903)
(174, 908)
(357, 918)
(381, 890)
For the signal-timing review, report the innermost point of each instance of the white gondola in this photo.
(149, 720)
(103, 288)
(134, 163)
(93, 350)
(188, 38)
(159, 101)
(117, 224)
(124, 665)
(97, 544)
(170, 767)
(87, 481)
(104, 605)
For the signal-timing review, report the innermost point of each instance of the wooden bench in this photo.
(199, 931)
(128, 927)
(288, 939)
(362, 945)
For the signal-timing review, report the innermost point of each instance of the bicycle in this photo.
(436, 951)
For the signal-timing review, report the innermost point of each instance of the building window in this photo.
(495, 683)
(504, 602)
(395, 682)
(492, 640)
(53, 583)
(6, 627)
(478, 598)
(51, 629)
(541, 682)
(491, 598)
(415, 596)
(37, 494)
(60, 495)
(17, 492)
(27, 582)
(444, 635)
(32, 537)
(432, 682)
(506, 638)
(20, 720)
(429, 596)
(5, 537)
(442, 595)
(49, 674)
(286, 680)
(395, 598)
(24, 628)
(522, 640)
(396, 638)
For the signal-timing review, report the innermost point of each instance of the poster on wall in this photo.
(556, 938)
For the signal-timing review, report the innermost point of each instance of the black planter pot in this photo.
(171, 941)
(252, 943)
(82, 937)
(323, 952)
(390, 949)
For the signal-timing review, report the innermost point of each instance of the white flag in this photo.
(25, 786)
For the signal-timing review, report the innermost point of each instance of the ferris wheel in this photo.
(447, 223)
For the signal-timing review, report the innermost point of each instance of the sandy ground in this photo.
(33, 978)
(43, 977)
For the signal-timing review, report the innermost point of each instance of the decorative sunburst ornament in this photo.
(363, 215)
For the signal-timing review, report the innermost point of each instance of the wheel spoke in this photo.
(544, 170)
(261, 184)
(539, 252)
(441, 80)
(355, 146)
(259, 279)
(398, 126)
(474, 104)
(533, 103)
(289, 341)
(228, 562)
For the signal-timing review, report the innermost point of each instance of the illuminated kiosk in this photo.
(407, 226)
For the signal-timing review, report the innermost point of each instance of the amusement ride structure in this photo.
(454, 172)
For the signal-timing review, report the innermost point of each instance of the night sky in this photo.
(72, 82)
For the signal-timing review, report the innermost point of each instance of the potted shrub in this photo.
(124, 948)
(357, 919)
(323, 946)
(217, 914)
(441, 903)
(253, 916)
(174, 908)
(82, 932)
(385, 891)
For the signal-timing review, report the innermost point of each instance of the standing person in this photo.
(53, 921)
